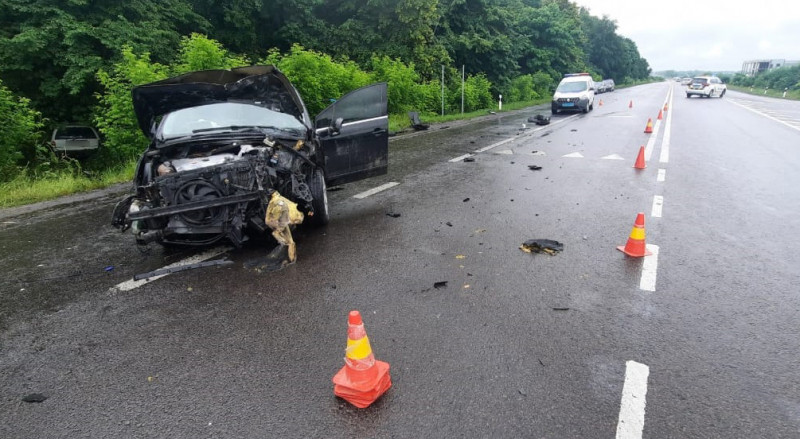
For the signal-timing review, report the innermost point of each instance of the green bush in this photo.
(114, 116)
(477, 94)
(522, 89)
(319, 79)
(20, 133)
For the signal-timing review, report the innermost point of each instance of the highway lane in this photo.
(516, 345)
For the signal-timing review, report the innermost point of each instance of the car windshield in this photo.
(572, 87)
(75, 132)
(227, 117)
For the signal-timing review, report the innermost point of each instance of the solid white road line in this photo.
(662, 175)
(648, 150)
(649, 269)
(208, 254)
(664, 157)
(495, 145)
(503, 142)
(658, 204)
(375, 190)
(631, 410)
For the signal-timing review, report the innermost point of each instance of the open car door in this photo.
(354, 135)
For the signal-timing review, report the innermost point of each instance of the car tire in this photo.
(688, 95)
(723, 93)
(553, 111)
(319, 193)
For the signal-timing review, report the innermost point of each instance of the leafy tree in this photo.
(198, 52)
(401, 29)
(50, 50)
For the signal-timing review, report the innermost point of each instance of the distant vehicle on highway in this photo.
(574, 92)
(706, 86)
(686, 81)
(608, 84)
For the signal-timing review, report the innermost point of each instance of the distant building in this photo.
(756, 66)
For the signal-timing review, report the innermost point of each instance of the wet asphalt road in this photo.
(515, 345)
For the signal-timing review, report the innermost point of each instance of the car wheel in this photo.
(553, 111)
(723, 93)
(319, 194)
(688, 95)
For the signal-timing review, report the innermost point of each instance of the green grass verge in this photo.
(26, 190)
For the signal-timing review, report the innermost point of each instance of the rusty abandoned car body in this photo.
(222, 141)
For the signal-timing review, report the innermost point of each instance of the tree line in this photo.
(66, 60)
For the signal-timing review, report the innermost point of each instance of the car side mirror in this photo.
(337, 126)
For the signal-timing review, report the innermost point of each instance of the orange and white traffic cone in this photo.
(665, 106)
(640, 163)
(636, 246)
(660, 116)
(363, 379)
(649, 128)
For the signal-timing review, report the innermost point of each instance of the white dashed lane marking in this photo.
(632, 407)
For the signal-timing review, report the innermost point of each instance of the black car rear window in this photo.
(75, 132)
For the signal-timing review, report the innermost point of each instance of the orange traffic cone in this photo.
(600, 104)
(640, 164)
(649, 128)
(665, 106)
(660, 116)
(636, 246)
(363, 379)
(630, 105)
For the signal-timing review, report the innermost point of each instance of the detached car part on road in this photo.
(222, 141)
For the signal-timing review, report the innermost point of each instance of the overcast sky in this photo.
(705, 35)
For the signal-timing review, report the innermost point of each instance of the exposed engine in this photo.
(204, 193)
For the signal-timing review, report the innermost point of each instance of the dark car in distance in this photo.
(222, 141)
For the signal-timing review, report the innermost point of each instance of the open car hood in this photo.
(260, 85)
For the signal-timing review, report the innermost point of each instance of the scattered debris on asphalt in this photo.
(560, 309)
(449, 224)
(534, 167)
(469, 159)
(539, 119)
(34, 397)
(335, 188)
(393, 214)
(440, 284)
(466, 199)
(415, 122)
(170, 270)
(542, 246)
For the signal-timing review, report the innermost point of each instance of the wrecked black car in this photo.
(222, 142)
